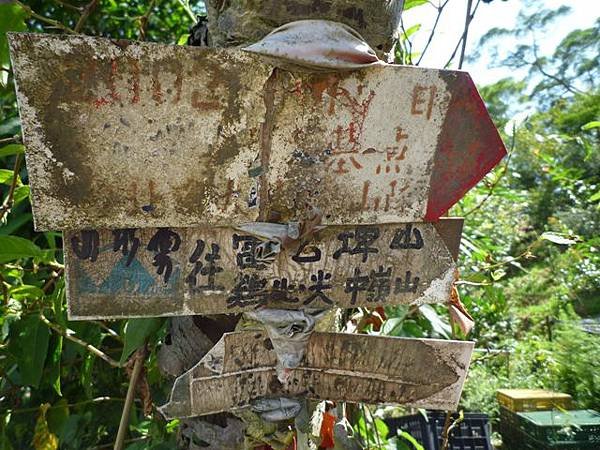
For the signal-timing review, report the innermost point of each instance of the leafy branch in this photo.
(53, 23)
(89, 347)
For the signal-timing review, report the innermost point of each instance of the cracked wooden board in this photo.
(125, 134)
(340, 367)
(159, 272)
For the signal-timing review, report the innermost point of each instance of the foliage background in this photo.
(529, 256)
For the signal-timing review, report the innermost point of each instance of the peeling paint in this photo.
(160, 272)
(339, 367)
(126, 134)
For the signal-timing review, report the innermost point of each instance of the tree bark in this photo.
(237, 23)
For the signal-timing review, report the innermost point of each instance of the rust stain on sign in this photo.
(124, 135)
(158, 272)
(341, 367)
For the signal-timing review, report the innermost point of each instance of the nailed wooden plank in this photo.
(154, 272)
(125, 134)
(340, 367)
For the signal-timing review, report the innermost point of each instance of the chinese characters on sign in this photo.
(167, 271)
(135, 118)
(350, 367)
(164, 155)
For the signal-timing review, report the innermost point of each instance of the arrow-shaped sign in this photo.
(126, 134)
(339, 367)
(182, 271)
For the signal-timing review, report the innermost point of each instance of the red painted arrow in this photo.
(468, 148)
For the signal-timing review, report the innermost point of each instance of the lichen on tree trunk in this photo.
(241, 22)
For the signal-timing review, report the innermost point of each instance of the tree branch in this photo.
(563, 83)
(11, 140)
(52, 22)
(138, 364)
(68, 5)
(144, 20)
(407, 51)
(9, 200)
(87, 10)
(440, 9)
(69, 405)
(188, 10)
(90, 348)
(463, 36)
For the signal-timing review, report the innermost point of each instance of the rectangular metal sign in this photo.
(162, 271)
(126, 134)
(340, 367)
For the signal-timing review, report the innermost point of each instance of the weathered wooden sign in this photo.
(163, 271)
(339, 367)
(127, 134)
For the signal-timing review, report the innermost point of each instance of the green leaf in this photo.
(26, 291)
(590, 125)
(43, 439)
(15, 221)
(595, 197)
(412, 30)
(54, 375)
(172, 426)
(6, 176)
(12, 18)
(392, 326)
(182, 39)
(557, 238)
(408, 4)
(10, 127)
(11, 314)
(12, 149)
(438, 325)
(406, 435)
(20, 194)
(14, 248)
(381, 428)
(58, 416)
(137, 331)
(29, 346)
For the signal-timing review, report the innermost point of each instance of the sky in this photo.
(496, 14)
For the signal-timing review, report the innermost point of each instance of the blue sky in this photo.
(496, 14)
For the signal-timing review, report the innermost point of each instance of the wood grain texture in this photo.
(154, 272)
(128, 134)
(427, 373)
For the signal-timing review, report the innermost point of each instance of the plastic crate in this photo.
(577, 429)
(473, 433)
(554, 427)
(533, 400)
(514, 438)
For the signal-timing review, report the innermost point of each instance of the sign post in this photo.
(181, 271)
(134, 135)
(164, 165)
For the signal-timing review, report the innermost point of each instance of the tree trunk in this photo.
(237, 23)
